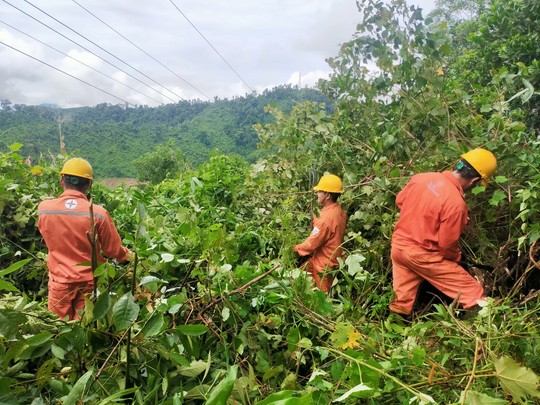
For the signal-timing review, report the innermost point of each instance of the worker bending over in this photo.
(433, 214)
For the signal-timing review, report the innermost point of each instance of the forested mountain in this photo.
(113, 136)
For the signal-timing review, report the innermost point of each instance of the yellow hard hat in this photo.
(483, 161)
(78, 167)
(329, 183)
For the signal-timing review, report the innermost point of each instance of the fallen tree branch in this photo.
(531, 254)
(110, 355)
(531, 296)
(473, 372)
(217, 300)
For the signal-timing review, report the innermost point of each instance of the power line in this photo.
(212, 46)
(88, 50)
(66, 73)
(104, 50)
(140, 49)
(82, 63)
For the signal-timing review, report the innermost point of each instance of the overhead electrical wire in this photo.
(66, 73)
(82, 63)
(88, 50)
(93, 53)
(103, 49)
(212, 46)
(140, 49)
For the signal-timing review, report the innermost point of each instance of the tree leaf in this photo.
(39, 339)
(102, 305)
(167, 257)
(345, 336)
(222, 392)
(153, 326)
(9, 323)
(58, 352)
(44, 372)
(152, 279)
(287, 397)
(353, 263)
(5, 285)
(76, 393)
(225, 313)
(192, 330)
(498, 196)
(194, 369)
(15, 266)
(529, 90)
(125, 312)
(353, 390)
(352, 340)
(117, 396)
(516, 380)
(14, 147)
(477, 398)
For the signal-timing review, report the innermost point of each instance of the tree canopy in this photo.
(112, 137)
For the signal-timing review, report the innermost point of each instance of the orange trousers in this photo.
(410, 268)
(67, 299)
(322, 281)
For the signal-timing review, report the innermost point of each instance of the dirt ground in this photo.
(113, 182)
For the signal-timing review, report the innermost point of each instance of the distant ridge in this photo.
(113, 136)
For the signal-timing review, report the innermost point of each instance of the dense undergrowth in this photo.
(180, 325)
(215, 311)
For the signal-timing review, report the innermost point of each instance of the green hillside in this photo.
(112, 136)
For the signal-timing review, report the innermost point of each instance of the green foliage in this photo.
(214, 308)
(500, 41)
(21, 188)
(113, 137)
(516, 380)
(454, 12)
(165, 161)
(193, 339)
(4, 285)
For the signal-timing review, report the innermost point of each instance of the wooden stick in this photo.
(217, 300)
(92, 238)
(473, 372)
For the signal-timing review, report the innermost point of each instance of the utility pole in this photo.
(62, 144)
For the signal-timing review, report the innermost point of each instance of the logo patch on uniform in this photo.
(315, 231)
(71, 204)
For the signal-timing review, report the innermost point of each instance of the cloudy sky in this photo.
(161, 51)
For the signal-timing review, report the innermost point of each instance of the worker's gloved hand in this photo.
(464, 264)
(464, 261)
(301, 260)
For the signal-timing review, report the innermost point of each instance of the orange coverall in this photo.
(64, 223)
(324, 244)
(433, 213)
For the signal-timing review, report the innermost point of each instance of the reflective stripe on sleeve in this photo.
(74, 213)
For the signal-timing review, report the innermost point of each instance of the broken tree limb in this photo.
(217, 300)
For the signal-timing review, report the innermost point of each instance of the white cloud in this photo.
(267, 43)
(308, 79)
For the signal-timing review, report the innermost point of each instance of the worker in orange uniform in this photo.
(433, 214)
(64, 223)
(323, 246)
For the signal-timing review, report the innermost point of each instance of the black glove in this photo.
(301, 260)
(464, 264)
